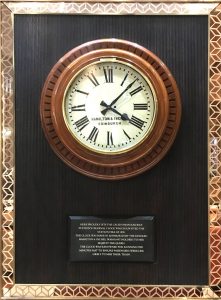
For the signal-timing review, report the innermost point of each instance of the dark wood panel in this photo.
(175, 191)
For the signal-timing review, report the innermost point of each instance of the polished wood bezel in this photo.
(117, 165)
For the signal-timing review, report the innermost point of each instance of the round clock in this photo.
(110, 109)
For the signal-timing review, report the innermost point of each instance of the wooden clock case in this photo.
(110, 166)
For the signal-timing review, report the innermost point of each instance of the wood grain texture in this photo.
(101, 165)
(175, 191)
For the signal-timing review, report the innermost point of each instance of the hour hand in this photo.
(104, 111)
(104, 104)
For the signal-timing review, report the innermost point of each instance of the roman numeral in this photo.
(108, 73)
(81, 123)
(109, 138)
(136, 122)
(124, 79)
(78, 108)
(93, 135)
(93, 79)
(140, 106)
(135, 91)
(127, 135)
(81, 92)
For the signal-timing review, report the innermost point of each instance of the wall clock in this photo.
(110, 109)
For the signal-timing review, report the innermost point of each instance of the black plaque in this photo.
(102, 239)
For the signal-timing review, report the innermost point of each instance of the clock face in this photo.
(110, 106)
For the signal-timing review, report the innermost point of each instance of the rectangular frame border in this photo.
(10, 290)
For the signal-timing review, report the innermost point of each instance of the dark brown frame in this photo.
(115, 166)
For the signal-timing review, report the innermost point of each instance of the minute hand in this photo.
(118, 97)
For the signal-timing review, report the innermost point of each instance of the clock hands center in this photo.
(109, 107)
(124, 116)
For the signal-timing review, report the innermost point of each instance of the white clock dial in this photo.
(110, 106)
